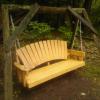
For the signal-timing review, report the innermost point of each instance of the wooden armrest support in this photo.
(21, 67)
(75, 54)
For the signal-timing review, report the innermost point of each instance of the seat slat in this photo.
(48, 72)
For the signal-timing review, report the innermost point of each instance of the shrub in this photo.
(65, 33)
(37, 31)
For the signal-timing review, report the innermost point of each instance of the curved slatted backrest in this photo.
(40, 52)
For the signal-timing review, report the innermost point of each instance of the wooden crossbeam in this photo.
(22, 25)
(87, 23)
(45, 9)
(84, 21)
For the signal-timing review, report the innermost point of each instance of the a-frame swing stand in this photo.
(10, 40)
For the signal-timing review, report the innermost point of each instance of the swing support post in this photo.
(8, 88)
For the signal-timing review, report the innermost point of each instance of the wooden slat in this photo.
(22, 57)
(29, 50)
(53, 48)
(48, 72)
(62, 49)
(50, 50)
(35, 53)
(59, 49)
(42, 51)
(26, 55)
(56, 49)
(47, 55)
(65, 49)
(39, 52)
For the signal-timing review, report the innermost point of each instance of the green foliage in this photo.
(91, 70)
(95, 14)
(65, 32)
(37, 31)
(41, 31)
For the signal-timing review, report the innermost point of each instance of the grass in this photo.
(91, 70)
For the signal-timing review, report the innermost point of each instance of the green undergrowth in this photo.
(91, 70)
(41, 31)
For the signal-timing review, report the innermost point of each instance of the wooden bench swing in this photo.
(44, 60)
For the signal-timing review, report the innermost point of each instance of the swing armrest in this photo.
(21, 67)
(75, 54)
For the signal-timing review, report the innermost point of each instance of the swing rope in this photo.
(81, 41)
(80, 35)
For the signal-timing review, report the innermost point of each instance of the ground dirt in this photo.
(82, 84)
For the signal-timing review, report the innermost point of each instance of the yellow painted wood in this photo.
(80, 55)
(37, 53)
(23, 67)
(53, 48)
(26, 55)
(44, 59)
(59, 49)
(50, 50)
(46, 50)
(46, 73)
(56, 48)
(22, 57)
(29, 50)
(43, 51)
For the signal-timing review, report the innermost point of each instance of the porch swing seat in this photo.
(44, 60)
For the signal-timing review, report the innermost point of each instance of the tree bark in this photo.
(8, 86)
